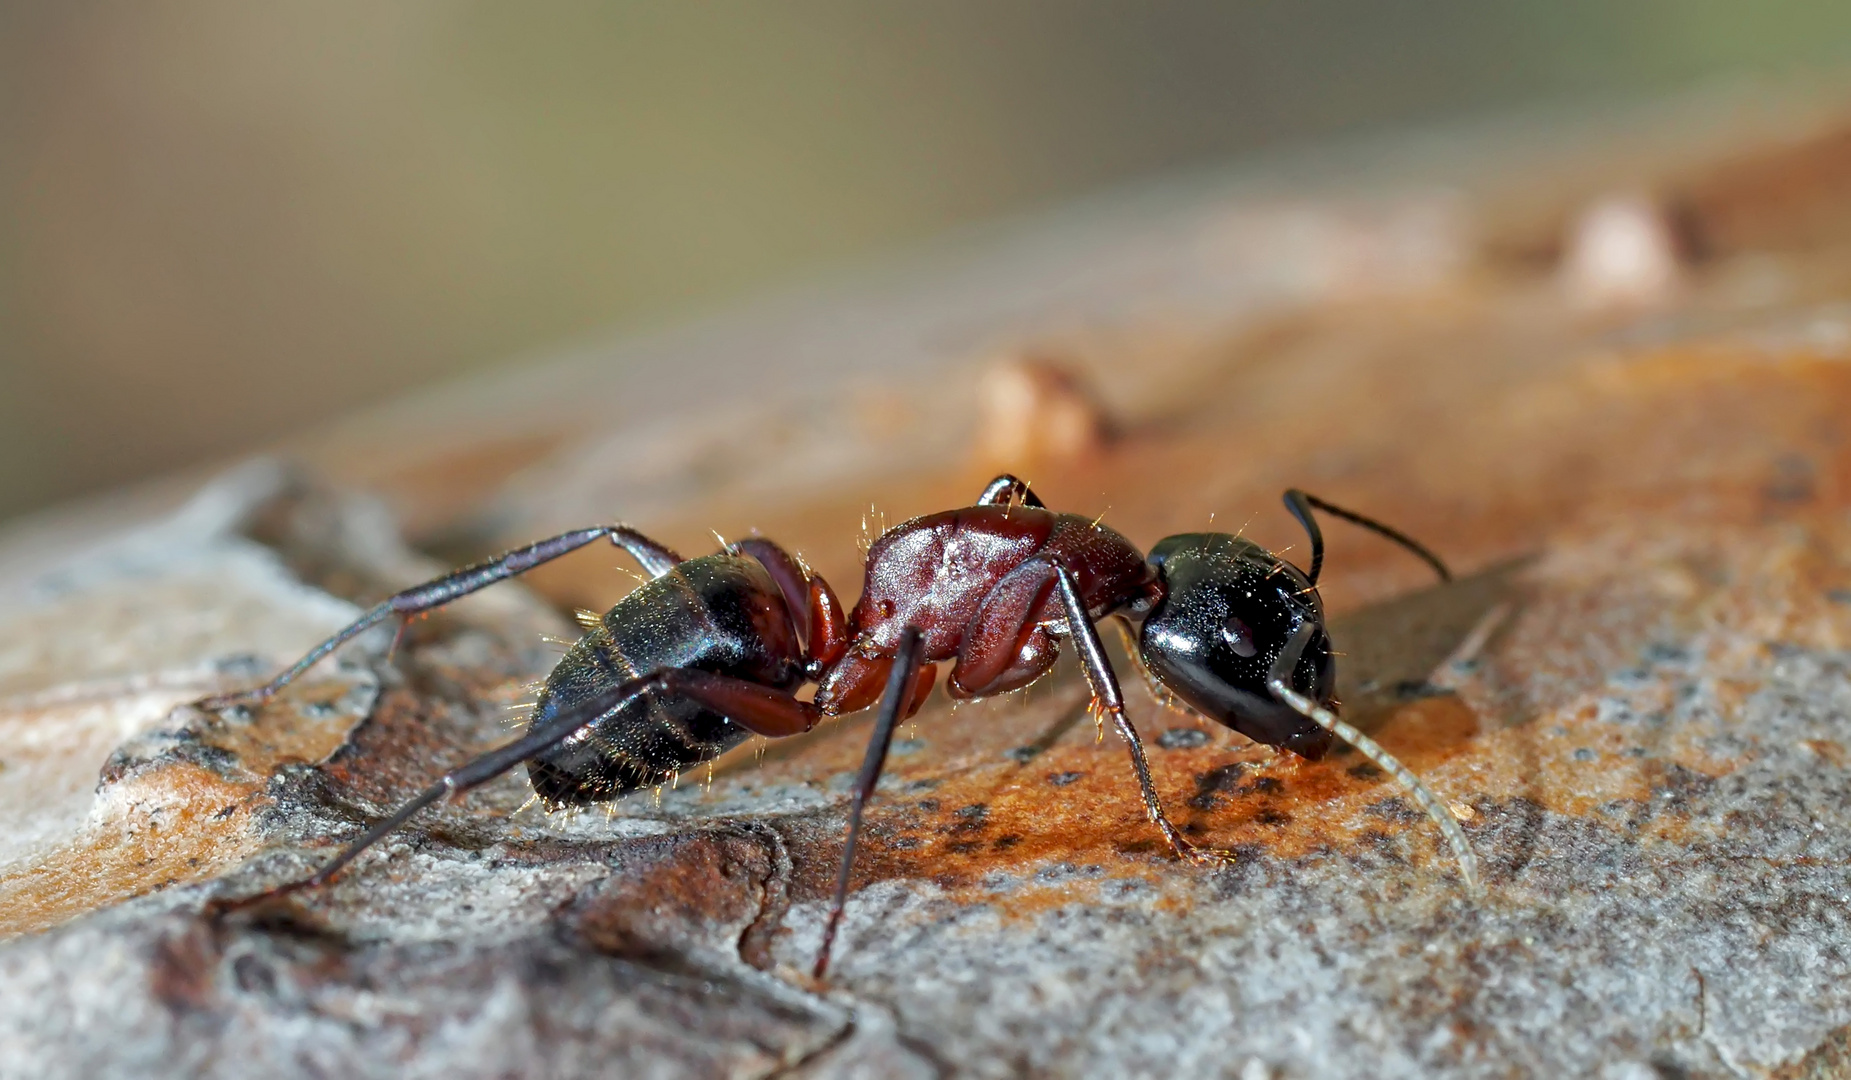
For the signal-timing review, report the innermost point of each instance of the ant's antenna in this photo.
(1441, 814)
(1300, 504)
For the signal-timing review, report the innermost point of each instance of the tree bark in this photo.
(1599, 367)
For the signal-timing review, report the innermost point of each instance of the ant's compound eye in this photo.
(1238, 637)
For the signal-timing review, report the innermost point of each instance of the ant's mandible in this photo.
(712, 649)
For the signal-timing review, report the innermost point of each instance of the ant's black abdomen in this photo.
(1229, 606)
(721, 613)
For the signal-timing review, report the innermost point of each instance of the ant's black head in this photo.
(1228, 608)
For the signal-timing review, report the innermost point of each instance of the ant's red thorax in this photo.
(935, 572)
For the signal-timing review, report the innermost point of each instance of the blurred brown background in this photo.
(220, 222)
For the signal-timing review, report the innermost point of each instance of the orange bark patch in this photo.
(171, 826)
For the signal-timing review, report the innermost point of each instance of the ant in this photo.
(712, 649)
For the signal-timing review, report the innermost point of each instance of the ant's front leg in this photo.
(655, 558)
(1109, 699)
(894, 703)
(1161, 694)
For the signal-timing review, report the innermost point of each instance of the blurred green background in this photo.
(223, 221)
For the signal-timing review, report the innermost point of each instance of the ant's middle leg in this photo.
(759, 709)
(1109, 699)
(1007, 490)
(655, 558)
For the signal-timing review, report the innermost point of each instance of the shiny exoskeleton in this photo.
(1227, 627)
(1228, 607)
(978, 583)
(722, 614)
(705, 653)
(713, 649)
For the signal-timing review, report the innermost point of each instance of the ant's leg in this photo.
(812, 603)
(1442, 815)
(784, 569)
(760, 709)
(1161, 694)
(828, 638)
(418, 599)
(1300, 504)
(655, 557)
(1108, 698)
(899, 684)
(374, 616)
(1004, 645)
(1007, 490)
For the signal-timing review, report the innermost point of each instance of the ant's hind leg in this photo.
(419, 599)
(812, 603)
(1007, 490)
(655, 557)
(759, 709)
(1109, 699)
(784, 569)
(1277, 682)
